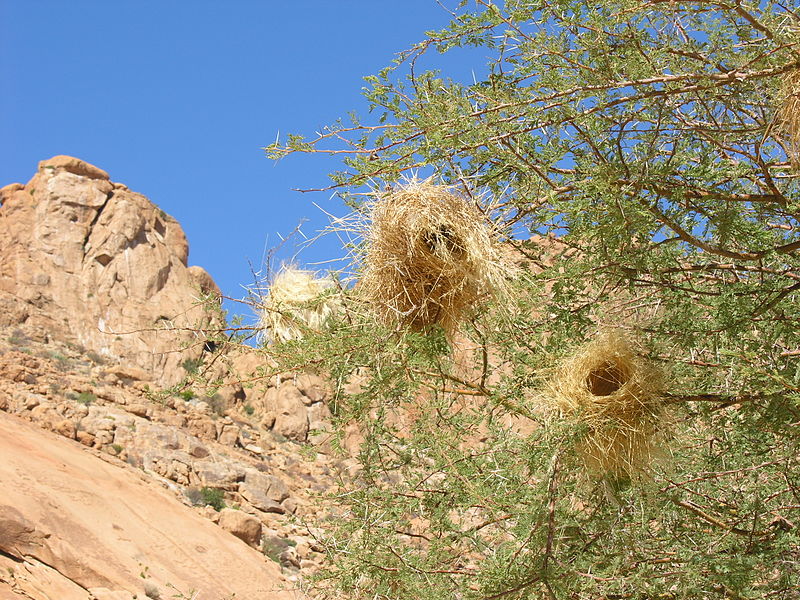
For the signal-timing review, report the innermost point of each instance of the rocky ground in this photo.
(201, 450)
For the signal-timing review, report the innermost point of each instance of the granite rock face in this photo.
(91, 262)
(76, 527)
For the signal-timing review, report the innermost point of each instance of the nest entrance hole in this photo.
(606, 378)
(443, 237)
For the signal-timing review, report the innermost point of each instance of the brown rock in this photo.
(198, 450)
(219, 475)
(204, 282)
(319, 416)
(65, 428)
(73, 165)
(229, 435)
(291, 419)
(264, 492)
(8, 190)
(312, 387)
(290, 504)
(85, 438)
(202, 427)
(125, 375)
(246, 527)
(90, 262)
(140, 410)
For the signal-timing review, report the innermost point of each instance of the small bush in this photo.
(207, 496)
(86, 398)
(95, 358)
(191, 365)
(18, 338)
(272, 547)
(217, 404)
(249, 410)
(186, 394)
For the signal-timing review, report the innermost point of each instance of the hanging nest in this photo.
(297, 301)
(617, 396)
(789, 115)
(431, 257)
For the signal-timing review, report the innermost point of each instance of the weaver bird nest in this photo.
(617, 395)
(431, 257)
(297, 301)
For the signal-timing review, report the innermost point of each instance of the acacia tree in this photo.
(648, 136)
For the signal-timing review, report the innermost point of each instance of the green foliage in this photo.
(249, 410)
(191, 365)
(644, 136)
(207, 496)
(86, 398)
(18, 338)
(272, 547)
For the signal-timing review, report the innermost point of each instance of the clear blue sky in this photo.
(176, 99)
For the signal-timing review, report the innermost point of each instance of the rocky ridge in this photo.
(92, 262)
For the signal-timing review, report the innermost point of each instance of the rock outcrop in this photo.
(74, 527)
(175, 440)
(91, 262)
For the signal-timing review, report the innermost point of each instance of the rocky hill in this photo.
(89, 261)
(124, 477)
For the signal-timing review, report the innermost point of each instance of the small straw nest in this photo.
(789, 115)
(431, 257)
(617, 395)
(296, 301)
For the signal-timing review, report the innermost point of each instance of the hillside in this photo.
(112, 454)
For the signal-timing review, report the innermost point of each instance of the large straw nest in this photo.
(616, 394)
(431, 257)
(297, 301)
(789, 114)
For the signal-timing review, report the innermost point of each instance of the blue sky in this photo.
(177, 99)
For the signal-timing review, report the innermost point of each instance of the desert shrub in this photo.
(86, 398)
(217, 404)
(192, 365)
(187, 394)
(18, 338)
(206, 496)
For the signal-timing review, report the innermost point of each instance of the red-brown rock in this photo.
(96, 264)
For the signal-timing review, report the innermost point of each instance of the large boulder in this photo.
(74, 527)
(94, 263)
(246, 527)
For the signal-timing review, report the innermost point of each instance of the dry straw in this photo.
(296, 301)
(617, 395)
(789, 114)
(431, 257)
